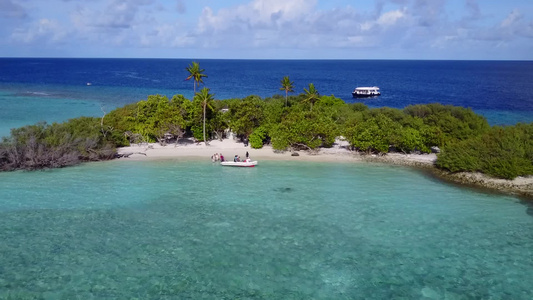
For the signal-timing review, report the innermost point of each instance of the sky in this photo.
(268, 29)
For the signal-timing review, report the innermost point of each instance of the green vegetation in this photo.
(311, 95)
(57, 145)
(504, 152)
(288, 86)
(413, 129)
(306, 121)
(196, 74)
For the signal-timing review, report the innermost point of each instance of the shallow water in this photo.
(284, 230)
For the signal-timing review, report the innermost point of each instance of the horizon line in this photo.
(273, 59)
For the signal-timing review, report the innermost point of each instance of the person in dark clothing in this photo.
(247, 155)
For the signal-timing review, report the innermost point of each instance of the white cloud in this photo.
(511, 19)
(391, 18)
(258, 14)
(43, 31)
(117, 14)
(261, 26)
(395, 24)
(286, 24)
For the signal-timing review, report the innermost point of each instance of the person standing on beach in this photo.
(247, 155)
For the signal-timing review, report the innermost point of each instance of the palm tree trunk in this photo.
(205, 104)
(286, 95)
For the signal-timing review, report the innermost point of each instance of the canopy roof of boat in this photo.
(366, 88)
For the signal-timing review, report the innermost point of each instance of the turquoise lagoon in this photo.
(179, 229)
(176, 229)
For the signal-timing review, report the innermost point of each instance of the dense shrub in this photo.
(455, 123)
(258, 138)
(57, 145)
(505, 152)
(375, 134)
(302, 129)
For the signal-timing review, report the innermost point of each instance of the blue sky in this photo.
(264, 29)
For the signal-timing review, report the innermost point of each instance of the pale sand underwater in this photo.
(338, 153)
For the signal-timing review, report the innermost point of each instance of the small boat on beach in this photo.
(239, 163)
(364, 92)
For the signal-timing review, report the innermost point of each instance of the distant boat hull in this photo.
(365, 96)
(239, 163)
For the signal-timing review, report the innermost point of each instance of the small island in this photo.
(454, 141)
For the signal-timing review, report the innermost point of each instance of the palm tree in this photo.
(311, 95)
(196, 74)
(287, 86)
(204, 97)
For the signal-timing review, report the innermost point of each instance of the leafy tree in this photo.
(454, 123)
(288, 86)
(196, 74)
(273, 113)
(373, 134)
(219, 123)
(303, 130)
(311, 95)
(460, 156)
(410, 139)
(394, 114)
(331, 101)
(258, 138)
(350, 124)
(156, 117)
(179, 107)
(247, 115)
(121, 120)
(358, 106)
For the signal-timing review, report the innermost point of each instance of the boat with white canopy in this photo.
(363, 92)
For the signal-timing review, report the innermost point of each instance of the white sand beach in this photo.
(229, 148)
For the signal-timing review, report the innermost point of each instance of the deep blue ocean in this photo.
(37, 89)
(191, 229)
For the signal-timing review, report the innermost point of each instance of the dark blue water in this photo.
(500, 90)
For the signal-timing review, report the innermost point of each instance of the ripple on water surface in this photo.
(283, 230)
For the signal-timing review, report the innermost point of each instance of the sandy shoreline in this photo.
(229, 149)
(522, 186)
